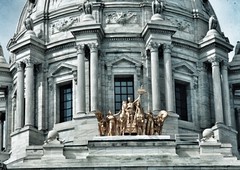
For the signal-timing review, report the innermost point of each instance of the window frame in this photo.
(65, 117)
(184, 100)
(123, 78)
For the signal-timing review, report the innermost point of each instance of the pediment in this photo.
(184, 67)
(62, 68)
(124, 61)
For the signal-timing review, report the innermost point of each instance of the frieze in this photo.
(63, 24)
(181, 24)
(121, 18)
(56, 3)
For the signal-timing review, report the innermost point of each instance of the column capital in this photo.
(167, 48)
(29, 62)
(153, 46)
(80, 48)
(225, 64)
(215, 61)
(93, 47)
(19, 66)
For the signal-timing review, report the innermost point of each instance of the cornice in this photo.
(163, 27)
(185, 44)
(88, 29)
(28, 42)
(215, 41)
(124, 39)
(56, 47)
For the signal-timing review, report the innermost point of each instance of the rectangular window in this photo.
(181, 100)
(66, 103)
(123, 88)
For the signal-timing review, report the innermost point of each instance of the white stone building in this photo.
(68, 61)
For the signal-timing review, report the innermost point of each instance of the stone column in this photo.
(168, 78)
(217, 90)
(93, 76)
(29, 104)
(2, 118)
(20, 97)
(80, 106)
(155, 78)
(226, 94)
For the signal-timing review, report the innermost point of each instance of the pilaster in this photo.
(226, 94)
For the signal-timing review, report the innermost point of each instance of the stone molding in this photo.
(54, 48)
(124, 39)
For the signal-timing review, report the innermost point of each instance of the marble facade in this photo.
(88, 52)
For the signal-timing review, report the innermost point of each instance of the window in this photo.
(181, 100)
(66, 103)
(123, 88)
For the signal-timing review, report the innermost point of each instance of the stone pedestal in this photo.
(157, 17)
(134, 146)
(22, 138)
(215, 149)
(225, 134)
(170, 126)
(53, 151)
(87, 17)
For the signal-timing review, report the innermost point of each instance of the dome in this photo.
(53, 18)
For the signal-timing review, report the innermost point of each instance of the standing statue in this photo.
(212, 23)
(101, 123)
(1, 51)
(31, 5)
(123, 118)
(87, 7)
(149, 124)
(158, 122)
(237, 49)
(28, 23)
(139, 119)
(111, 121)
(157, 7)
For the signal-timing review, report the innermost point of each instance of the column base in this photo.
(226, 134)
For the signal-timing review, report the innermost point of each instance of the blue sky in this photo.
(228, 13)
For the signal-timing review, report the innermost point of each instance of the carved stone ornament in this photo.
(208, 136)
(56, 3)
(131, 120)
(64, 24)
(121, 18)
(181, 24)
(53, 138)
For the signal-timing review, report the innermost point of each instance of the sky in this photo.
(227, 11)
